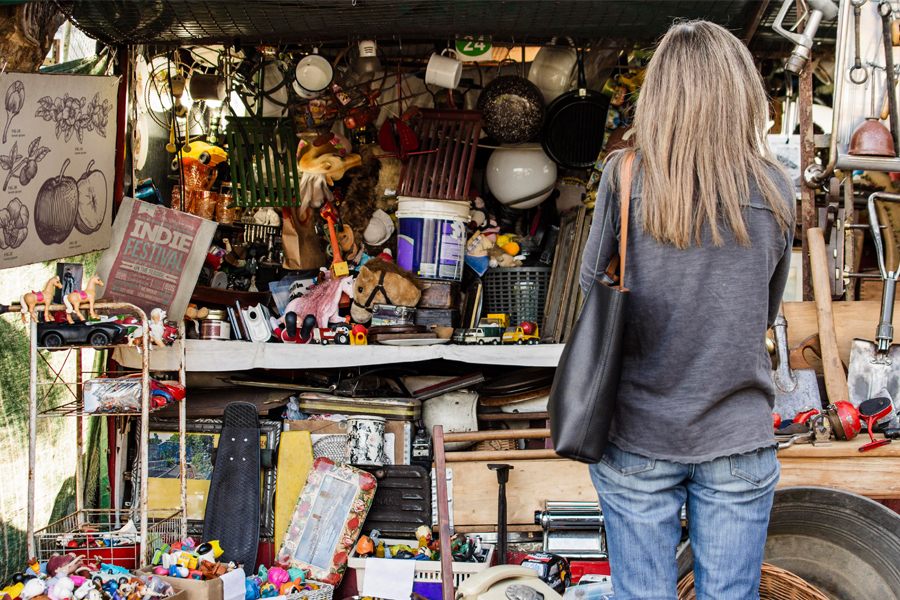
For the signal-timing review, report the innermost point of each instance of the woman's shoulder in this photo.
(784, 188)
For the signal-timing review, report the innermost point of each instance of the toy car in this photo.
(483, 334)
(337, 334)
(526, 333)
(89, 333)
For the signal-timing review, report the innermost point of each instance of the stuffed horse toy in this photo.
(32, 299)
(321, 301)
(73, 301)
(383, 282)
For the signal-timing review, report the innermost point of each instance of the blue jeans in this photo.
(728, 505)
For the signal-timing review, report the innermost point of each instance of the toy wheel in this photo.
(481, 342)
(324, 342)
(204, 158)
(53, 340)
(532, 342)
(520, 342)
(99, 338)
(342, 338)
(494, 342)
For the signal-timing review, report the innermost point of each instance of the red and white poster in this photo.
(155, 257)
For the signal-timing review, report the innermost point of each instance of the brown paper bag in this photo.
(302, 247)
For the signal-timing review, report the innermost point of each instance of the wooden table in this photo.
(875, 474)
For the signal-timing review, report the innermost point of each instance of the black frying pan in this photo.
(575, 125)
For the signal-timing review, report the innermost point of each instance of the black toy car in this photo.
(97, 333)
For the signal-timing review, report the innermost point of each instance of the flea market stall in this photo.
(341, 245)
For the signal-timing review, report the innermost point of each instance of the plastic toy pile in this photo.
(464, 549)
(188, 560)
(123, 394)
(66, 577)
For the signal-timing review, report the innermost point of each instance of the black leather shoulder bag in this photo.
(583, 396)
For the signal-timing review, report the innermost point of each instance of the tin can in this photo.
(365, 441)
(215, 326)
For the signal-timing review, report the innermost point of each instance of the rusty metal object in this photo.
(872, 138)
(403, 501)
(450, 138)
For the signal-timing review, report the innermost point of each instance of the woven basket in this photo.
(775, 584)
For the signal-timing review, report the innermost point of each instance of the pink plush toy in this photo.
(321, 302)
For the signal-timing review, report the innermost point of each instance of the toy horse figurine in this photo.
(73, 301)
(32, 299)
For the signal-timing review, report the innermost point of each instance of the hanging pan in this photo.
(575, 125)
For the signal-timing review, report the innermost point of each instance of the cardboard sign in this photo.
(57, 165)
(155, 257)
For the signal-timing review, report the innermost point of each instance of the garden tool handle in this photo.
(835, 377)
(783, 376)
(875, 226)
(884, 333)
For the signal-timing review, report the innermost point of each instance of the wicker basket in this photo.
(519, 292)
(495, 445)
(775, 584)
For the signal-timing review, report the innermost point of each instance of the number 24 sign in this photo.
(472, 48)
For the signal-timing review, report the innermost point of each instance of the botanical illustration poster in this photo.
(57, 165)
(155, 256)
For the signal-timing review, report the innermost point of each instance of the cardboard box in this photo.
(403, 432)
(191, 589)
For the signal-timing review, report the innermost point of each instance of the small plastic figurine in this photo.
(32, 299)
(156, 330)
(73, 301)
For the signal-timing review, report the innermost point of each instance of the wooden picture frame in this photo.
(327, 520)
(576, 297)
(564, 275)
(270, 436)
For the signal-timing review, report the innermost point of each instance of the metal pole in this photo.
(79, 432)
(32, 435)
(145, 432)
(807, 157)
(182, 425)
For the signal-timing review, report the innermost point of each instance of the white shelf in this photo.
(213, 356)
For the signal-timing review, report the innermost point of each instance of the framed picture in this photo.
(201, 439)
(564, 276)
(327, 520)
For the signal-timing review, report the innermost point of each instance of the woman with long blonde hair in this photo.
(711, 231)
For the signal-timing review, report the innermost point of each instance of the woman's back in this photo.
(695, 379)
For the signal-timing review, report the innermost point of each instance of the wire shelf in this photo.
(76, 409)
(278, 22)
(94, 534)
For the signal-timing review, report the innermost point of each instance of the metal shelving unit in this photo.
(75, 408)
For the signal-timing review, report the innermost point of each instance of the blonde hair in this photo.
(700, 124)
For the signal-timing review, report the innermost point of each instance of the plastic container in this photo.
(519, 292)
(426, 570)
(432, 237)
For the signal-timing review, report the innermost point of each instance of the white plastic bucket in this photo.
(432, 237)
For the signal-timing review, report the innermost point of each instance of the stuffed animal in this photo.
(360, 202)
(383, 282)
(500, 258)
(321, 301)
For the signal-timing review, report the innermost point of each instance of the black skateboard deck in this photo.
(233, 505)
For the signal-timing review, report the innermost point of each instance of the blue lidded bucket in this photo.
(432, 237)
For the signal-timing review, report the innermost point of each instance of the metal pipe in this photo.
(815, 175)
(79, 432)
(32, 436)
(145, 432)
(182, 425)
(867, 163)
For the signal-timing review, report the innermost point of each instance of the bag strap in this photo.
(625, 205)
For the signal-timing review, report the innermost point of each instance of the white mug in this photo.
(443, 71)
(313, 73)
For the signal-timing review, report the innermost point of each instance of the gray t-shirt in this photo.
(696, 381)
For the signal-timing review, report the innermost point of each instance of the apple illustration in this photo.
(91, 200)
(55, 208)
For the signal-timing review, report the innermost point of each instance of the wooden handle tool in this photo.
(835, 377)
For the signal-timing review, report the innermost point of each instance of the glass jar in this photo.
(224, 214)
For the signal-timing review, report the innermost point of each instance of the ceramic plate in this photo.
(415, 342)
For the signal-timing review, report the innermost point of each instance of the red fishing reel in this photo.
(844, 420)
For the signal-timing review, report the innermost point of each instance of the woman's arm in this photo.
(603, 241)
(780, 276)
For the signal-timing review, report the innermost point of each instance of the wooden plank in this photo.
(531, 482)
(851, 320)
